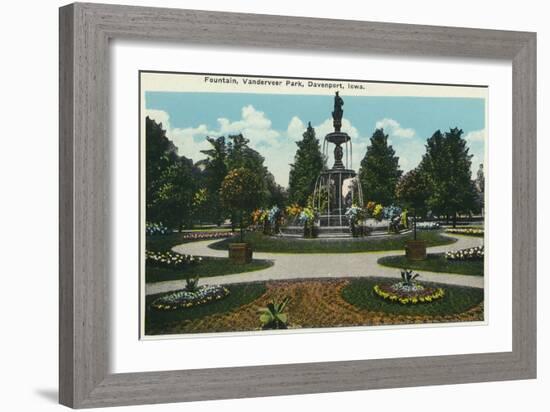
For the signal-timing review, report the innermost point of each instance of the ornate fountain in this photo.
(337, 188)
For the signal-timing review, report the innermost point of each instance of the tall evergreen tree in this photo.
(308, 163)
(379, 172)
(215, 170)
(446, 165)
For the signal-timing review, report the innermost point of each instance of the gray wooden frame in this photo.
(85, 31)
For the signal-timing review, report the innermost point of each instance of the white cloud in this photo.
(296, 128)
(393, 128)
(254, 125)
(159, 116)
(475, 136)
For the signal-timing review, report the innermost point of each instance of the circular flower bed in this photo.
(182, 299)
(407, 293)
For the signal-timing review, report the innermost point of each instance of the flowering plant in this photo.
(307, 217)
(273, 214)
(355, 214)
(170, 259)
(152, 229)
(472, 253)
(370, 207)
(378, 211)
(258, 216)
(183, 299)
(293, 210)
(389, 212)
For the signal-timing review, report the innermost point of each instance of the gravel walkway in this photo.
(320, 265)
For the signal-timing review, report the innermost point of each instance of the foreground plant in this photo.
(272, 316)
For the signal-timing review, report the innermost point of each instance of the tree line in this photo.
(180, 193)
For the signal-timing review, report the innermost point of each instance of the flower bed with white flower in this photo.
(170, 260)
(427, 225)
(196, 236)
(466, 231)
(153, 229)
(184, 299)
(472, 253)
(408, 294)
(408, 291)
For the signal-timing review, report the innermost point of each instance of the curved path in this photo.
(319, 265)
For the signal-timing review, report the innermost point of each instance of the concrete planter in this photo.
(415, 250)
(240, 253)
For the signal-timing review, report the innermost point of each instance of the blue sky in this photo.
(274, 122)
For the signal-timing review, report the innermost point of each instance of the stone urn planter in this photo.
(415, 249)
(240, 253)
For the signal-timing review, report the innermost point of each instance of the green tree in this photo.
(241, 155)
(241, 192)
(379, 171)
(171, 180)
(277, 194)
(215, 170)
(412, 192)
(308, 163)
(173, 201)
(446, 165)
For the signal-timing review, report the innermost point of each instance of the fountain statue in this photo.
(337, 188)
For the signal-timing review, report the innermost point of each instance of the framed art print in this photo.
(280, 205)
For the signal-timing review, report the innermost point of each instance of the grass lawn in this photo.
(435, 262)
(457, 299)
(263, 243)
(208, 267)
(156, 322)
